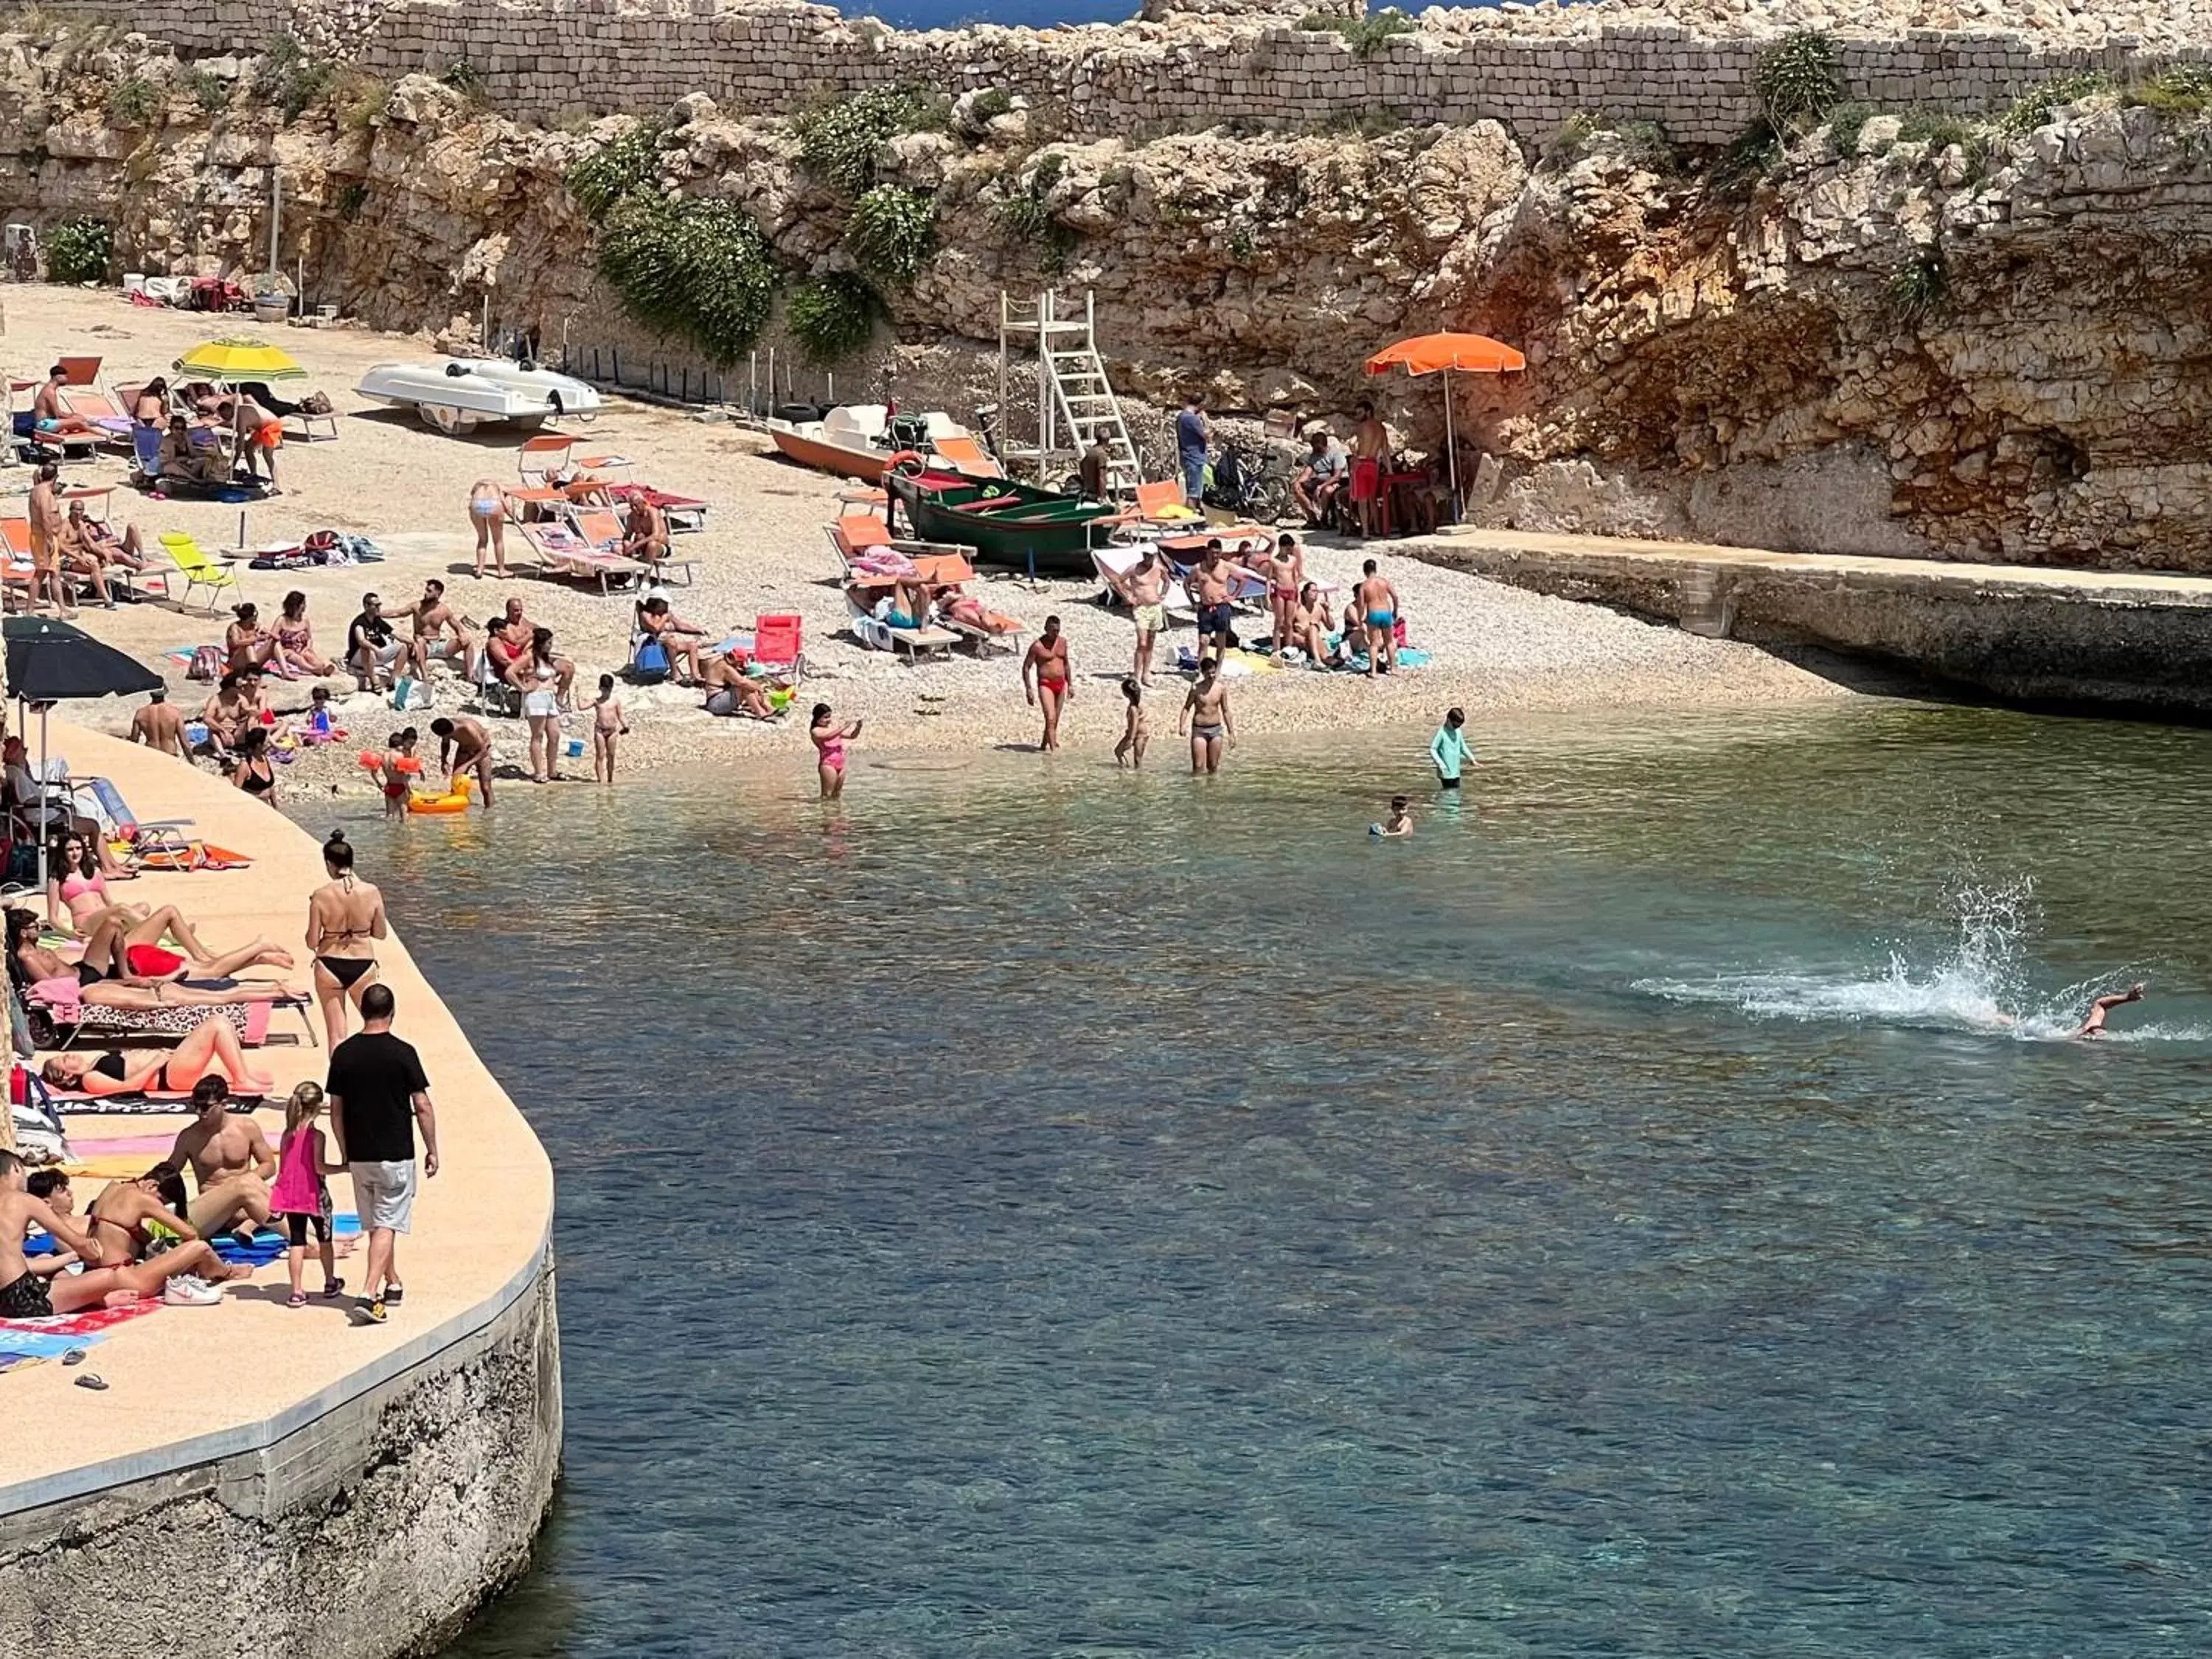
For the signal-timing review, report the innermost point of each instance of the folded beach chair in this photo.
(197, 569)
(562, 552)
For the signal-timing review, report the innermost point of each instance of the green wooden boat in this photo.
(1009, 523)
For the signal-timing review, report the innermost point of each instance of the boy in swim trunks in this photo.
(1376, 605)
(1401, 821)
(1206, 716)
(606, 726)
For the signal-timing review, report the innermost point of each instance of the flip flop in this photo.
(335, 1286)
(297, 1299)
(96, 1384)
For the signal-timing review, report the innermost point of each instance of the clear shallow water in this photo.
(1133, 1217)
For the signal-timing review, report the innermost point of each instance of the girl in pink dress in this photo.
(300, 1198)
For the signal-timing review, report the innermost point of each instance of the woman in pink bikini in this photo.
(830, 741)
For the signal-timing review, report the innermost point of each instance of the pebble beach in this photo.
(1493, 650)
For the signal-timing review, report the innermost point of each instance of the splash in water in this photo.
(1979, 982)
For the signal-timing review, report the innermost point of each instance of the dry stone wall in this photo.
(549, 61)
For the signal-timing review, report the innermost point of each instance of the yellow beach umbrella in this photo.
(240, 359)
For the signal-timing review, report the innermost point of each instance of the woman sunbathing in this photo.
(116, 986)
(124, 940)
(962, 608)
(212, 1048)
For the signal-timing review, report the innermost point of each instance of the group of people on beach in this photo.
(153, 1235)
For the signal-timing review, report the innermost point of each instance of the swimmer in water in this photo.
(1401, 821)
(2094, 1026)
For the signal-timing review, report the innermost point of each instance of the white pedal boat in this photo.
(456, 394)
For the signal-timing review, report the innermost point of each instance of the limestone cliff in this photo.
(1987, 340)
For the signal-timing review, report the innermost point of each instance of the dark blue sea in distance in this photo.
(1650, 1213)
(1033, 14)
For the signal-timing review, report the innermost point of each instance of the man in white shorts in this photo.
(377, 1095)
(373, 647)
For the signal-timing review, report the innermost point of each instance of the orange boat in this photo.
(858, 441)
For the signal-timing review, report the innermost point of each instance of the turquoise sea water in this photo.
(1106, 1216)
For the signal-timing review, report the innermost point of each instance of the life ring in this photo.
(912, 463)
(433, 805)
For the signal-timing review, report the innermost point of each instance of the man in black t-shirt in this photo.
(371, 647)
(378, 1094)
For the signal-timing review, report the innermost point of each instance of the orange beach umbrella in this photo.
(1440, 353)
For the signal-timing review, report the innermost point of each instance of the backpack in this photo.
(207, 663)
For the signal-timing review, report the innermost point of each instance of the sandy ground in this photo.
(1494, 648)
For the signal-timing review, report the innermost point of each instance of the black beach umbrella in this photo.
(49, 661)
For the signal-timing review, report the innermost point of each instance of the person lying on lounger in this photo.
(192, 455)
(29, 964)
(970, 612)
(211, 1051)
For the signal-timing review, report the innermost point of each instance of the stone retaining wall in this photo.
(354, 1529)
(558, 60)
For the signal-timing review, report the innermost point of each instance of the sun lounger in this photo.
(967, 456)
(981, 637)
(550, 453)
(872, 631)
(93, 408)
(864, 547)
(59, 1018)
(562, 552)
(683, 513)
(602, 529)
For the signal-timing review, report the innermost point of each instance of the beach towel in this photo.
(148, 1104)
(55, 1334)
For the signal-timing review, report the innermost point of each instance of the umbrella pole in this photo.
(1452, 449)
(44, 831)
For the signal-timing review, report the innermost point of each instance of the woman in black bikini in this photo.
(253, 773)
(345, 916)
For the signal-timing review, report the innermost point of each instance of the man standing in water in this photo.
(1145, 590)
(1048, 679)
(464, 745)
(1205, 716)
(379, 1093)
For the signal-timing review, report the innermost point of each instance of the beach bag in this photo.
(408, 694)
(206, 664)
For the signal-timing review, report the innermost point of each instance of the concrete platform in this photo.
(338, 1488)
(2130, 641)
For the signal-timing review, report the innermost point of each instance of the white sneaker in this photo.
(189, 1291)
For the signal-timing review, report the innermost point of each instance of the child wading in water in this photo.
(300, 1196)
(1130, 751)
(1401, 821)
(399, 765)
(606, 726)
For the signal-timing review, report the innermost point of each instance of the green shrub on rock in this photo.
(838, 140)
(892, 231)
(79, 250)
(833, 316)
(131, 103)
(1798, 80)
(697, 270)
